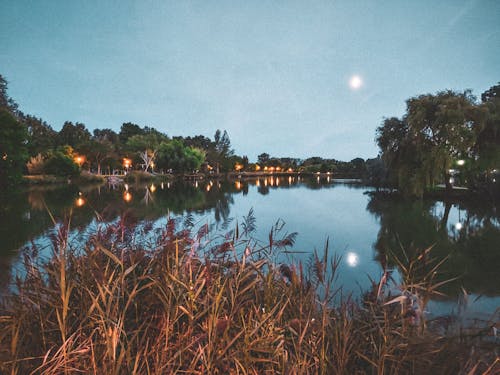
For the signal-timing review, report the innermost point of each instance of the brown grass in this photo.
(191, 302)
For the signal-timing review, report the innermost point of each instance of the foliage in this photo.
(73, 135)
(176, 156)
(36, 165)
(7, 102)
(128, 130)
(435, 131)
(60, 163)
(98, 150)
(41, 136)
(263, 158)
(145, 147)
(13, 150)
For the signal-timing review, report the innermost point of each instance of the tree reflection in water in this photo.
(409, 227)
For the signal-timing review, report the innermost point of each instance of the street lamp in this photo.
(127, 163)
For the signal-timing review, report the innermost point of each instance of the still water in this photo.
(369, 232)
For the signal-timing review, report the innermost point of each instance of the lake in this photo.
(368, 231)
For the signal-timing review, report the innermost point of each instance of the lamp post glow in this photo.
(460, 162)
(79, 160)
(127, 163)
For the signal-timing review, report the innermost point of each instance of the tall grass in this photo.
(192, 302)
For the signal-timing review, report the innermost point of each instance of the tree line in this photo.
(29, 145)
(443, 138)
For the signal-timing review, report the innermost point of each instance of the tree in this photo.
(244, 162)
(176, 156)
(13, 150)
(488, 136)
(128, 130)
(198, 141)
(61, 162)
(106, 135)
(145, 147)
(263, 158)
(435, 132)
(5, 101)
(222, 151)
(73, 135)
(41, 136)
(98, 151)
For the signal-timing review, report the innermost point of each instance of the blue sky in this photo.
(274, 74)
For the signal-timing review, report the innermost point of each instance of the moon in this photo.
(355, 82)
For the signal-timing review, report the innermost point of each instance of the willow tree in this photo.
(435, 132)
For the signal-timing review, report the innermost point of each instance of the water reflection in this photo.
(352, 259)
(467, 233)
(470, 244)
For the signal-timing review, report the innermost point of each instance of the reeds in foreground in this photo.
(186, 302)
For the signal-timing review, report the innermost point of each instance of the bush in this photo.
(61, 164)
(36, 165)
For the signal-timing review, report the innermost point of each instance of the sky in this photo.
(277, 75)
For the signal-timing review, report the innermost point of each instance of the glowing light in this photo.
(352, 259)
(459, 226)
(238, 167)
(152, 188)
(289, 180)
(238, 185)
(208, 187)
(460, 162)
(355, 82)
(80, 202)
(257, 167)
(257, 183)
(127, 163)
(79, 160)
(127, 197)
(162, 186)
(265, 168)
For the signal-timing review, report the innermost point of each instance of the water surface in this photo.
(369, 233)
